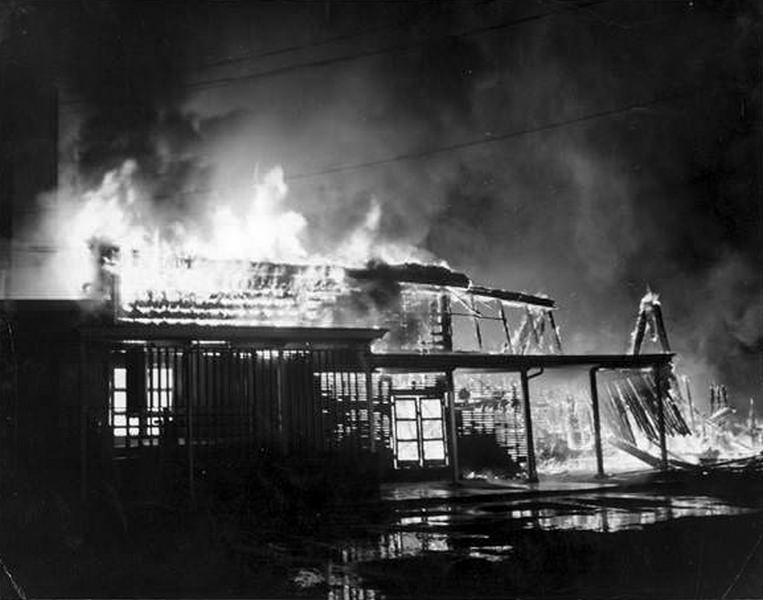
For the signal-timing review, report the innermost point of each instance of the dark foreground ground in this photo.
(680, 537)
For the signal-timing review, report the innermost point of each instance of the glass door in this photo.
(419, 432)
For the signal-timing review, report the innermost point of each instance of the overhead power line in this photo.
(455, 5)
(225, 81)
(235, 79)
(251, 56)
(481, 141)
(493, 139)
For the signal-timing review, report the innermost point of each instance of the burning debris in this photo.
(650, 323)
(634, 414)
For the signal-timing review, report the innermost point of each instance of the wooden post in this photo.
(370, 401)
(83, 399)
(477, 328)
(446, 323)
(532, 473)
(191, 391)
(506, 330)
(660, 326)
(661, 418)
(596, 424)
(454, 462)
(690, 402)
(555, 331)
(280, 388)
(637, 337)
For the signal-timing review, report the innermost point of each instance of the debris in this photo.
(307, 578)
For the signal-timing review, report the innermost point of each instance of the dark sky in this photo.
(585, 150)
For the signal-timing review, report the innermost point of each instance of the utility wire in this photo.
(232, 80)
(744, 566)
(225, 81)
(324, 42)
(16, 587)
(482, 141)
(247, 56)
(492, 139)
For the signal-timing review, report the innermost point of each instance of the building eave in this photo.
(514, 363)
(258, 336)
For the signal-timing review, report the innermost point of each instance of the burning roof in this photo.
(246, 260)
(413, 300)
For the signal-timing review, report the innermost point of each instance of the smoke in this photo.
(589, 212)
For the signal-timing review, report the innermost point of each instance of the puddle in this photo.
(596, 514)
(603, 513)
(481, 531)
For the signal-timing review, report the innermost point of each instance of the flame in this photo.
(256, 226)
(121, 214)
(265, 232)
(220, 263)
(367, 243)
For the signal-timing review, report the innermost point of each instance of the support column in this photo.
(596, 424)
(661, 418)
(450, 395)
(370, 403)
(283, 439)
(477, 329)
(532, 473)
(192, 388)
(84, 390)
(454, 462)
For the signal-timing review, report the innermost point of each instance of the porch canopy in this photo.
(449, 361)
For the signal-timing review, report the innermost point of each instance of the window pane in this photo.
(430, 408)
(120, 378)
(120, 401)
(432, 429)
(406, 430)
(407, 451)
(405, 409)
(434, 450)
(120, 421)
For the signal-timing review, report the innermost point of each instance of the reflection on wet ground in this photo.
(481, 529)
(605, 512)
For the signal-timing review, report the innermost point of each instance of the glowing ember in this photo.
(216, 292)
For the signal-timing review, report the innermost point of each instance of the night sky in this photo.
(583, 150)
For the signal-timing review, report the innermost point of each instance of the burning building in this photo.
(401, 366)
(238, 343)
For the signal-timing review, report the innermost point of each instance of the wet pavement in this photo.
(637, 535)
(434, 530)
(469, 490)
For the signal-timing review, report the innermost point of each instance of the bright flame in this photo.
(265, 232)
(366, 243)
(226, 260)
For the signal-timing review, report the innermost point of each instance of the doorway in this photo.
(419, 432)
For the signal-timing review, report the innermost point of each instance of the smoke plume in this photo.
(661, 189)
